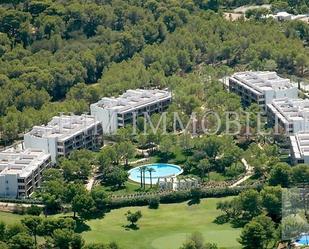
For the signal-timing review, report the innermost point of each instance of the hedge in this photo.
(179, 196)
(169, 197)
(21, 201)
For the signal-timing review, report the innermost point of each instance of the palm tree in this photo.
(140, 170)
(143, 170)
(151, 170)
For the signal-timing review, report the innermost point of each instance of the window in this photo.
(21, 180)
(21, 187)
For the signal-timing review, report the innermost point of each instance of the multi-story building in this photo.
(290, 114)
(63, 134)
(117, 112)
(261, 87)
(299, 143)
(21, 171)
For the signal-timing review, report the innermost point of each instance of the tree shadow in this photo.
(238, 222)
(221, 219)
(164, 157)
(81, 226)
(97, 214)
(194, 202)
(131, 227)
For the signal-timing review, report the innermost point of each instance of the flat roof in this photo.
(300, 144)
(21, 162)
(262, 81)
(64, 126)
(133, 99)
(289, 110)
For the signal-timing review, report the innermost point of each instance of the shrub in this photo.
(154, 203)
(34, 210)
(178, 196)
(196, 194)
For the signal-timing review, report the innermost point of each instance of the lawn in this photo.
(129, 187)
(10, 218)
(167, 227)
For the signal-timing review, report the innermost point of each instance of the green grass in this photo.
(10, 218)
(130, 187)
(166, 227)
(214, 176)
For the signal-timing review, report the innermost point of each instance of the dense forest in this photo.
(60, 56)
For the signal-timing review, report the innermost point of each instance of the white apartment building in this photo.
(21, 171)
(290, 114)
(261, 87)
(117, 112)
(63, 134)
(300, 147)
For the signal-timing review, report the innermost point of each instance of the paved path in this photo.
(10, 207)
(139, 161)
(249, 173)
(90, 183)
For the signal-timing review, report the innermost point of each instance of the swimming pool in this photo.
(303, 240)
(159, 170)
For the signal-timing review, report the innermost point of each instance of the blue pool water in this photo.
(303, 240)
(161, 170)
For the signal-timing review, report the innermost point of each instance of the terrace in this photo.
(263, 81)
(133, 99)
(22, 163)
(64, 127)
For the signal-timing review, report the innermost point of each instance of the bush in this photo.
(235, 170)
(34, 210)
(154, 203)
(27, 201)
(196, 194)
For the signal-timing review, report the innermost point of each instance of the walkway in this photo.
(139, 161)
(10, 207)
(249, 173)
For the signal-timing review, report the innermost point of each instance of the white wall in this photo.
(12, 186)
(283, 93)
(49, 145)
(108, 118)
(291, 93)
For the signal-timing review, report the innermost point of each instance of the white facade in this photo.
(282, 16)
(21, 171)
(291, 114)
(63, 134)
(300, 147)
(177, 183)
(261, 87)
(117, 112)
(285, 16)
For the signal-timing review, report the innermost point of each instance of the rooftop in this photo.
(21, 162)
(133, 99)
(290, 109)
(64, 126)
(262, 81)
(300, 144)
